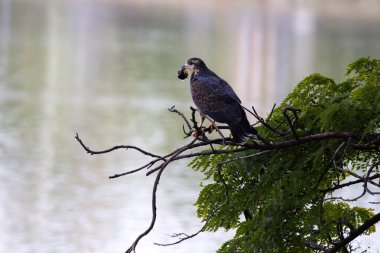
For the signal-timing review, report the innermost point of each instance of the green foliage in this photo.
(277, 201)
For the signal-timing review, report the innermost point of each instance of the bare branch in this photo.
(265, 122)
(340, 186)
(172, 109)
(157, 163)
(292, 122)
(132, 248)
(366, 179)
(92, 152)
(354, 234)
(246, 156)
(184, 236)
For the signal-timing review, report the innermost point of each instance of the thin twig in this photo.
(172, 109)
(265, 122)
(92, 152)
(212, 214)
(154, 206)
(292, 123)
(366, 179)
(351, 140)
(354, 234)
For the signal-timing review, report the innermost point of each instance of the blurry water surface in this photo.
(107, 70)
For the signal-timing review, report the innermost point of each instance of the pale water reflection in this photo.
(107, 70)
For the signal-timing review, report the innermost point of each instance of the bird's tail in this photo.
(243, 131)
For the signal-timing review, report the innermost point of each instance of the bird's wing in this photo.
(221, 102)
(228, 90)
(222, 88)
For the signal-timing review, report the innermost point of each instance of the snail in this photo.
(182, 73)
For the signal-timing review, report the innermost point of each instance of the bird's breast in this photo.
(201, 94)
(206, 99)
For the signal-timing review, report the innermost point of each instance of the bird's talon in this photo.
(211, 128)
(199, 132)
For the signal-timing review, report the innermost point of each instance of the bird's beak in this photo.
(188, 67)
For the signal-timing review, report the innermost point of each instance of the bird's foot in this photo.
(211, 128)
(202, 130)
(199, 131)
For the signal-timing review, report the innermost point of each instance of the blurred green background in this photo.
(107, 70)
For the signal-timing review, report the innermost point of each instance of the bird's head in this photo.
(195, 64)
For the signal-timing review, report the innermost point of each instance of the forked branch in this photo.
(158, 163)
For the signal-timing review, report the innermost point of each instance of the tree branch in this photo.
(132, 248)
(354, 234)
(340, 186)
(184, 236)
(351, 140)
(92, 152)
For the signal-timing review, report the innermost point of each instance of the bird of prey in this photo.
(215, 98)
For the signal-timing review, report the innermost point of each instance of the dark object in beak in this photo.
(182, 73)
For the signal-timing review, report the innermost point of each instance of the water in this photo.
(107, 70)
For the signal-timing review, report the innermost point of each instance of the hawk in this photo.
(215, 98)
